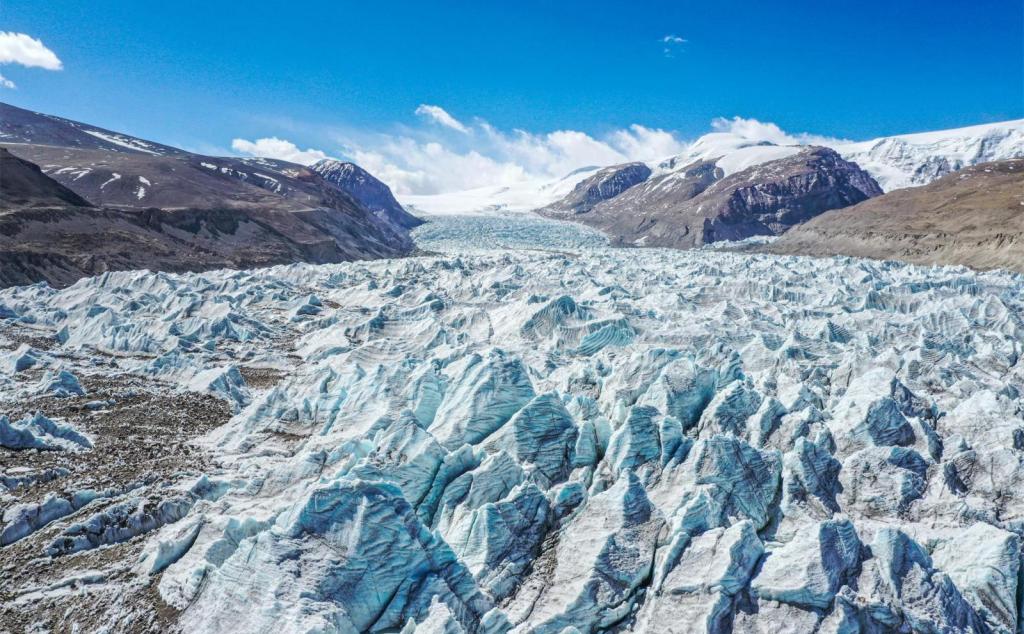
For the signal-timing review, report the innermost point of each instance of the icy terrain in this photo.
(575, 440)
(481, 234)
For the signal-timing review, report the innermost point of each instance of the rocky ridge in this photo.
(151, 206)
(699, 204)
(367, 190)
(974, 217)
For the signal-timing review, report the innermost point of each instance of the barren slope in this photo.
(162, 208)
(974, 217)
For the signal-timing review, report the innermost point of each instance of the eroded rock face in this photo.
(604, 185)
(971, 217)
(699, 204)
(368, 191)
(778, 445)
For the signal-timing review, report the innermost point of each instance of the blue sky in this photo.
(340, 75)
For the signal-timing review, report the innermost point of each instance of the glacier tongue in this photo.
(557, 442)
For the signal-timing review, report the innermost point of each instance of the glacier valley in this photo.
(522, 431)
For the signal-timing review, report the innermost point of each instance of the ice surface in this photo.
(39, 432)
(570, 438)
(817, 562)
(447, 234)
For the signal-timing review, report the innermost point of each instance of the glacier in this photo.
(524, 430)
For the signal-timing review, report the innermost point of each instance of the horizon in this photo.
(500, 106)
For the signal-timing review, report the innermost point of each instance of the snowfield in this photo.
(574, 440)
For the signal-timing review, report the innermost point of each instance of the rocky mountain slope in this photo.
(205, 211)
(600, 440)
(367, 190)
(48, 233)
(604, 185)
(974, 217)
(23, 185)
(895, 162)
(18, 125)
(700, 203)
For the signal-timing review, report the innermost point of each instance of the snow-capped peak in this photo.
(895, 161)
(917, 159)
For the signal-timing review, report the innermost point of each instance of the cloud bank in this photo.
(766, 131)
(273, 147)
(445, 154)
(22, 49)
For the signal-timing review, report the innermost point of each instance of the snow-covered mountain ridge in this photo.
(918, 159)
(894, 161)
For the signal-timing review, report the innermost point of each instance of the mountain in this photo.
(894, 162)
(49, 233)
(974, 217)
(202, 212)
(700, 203)
(659, 193)
(23, 184)
(917, 159)
(18, 125)
(367, 190)
(604, 185)
(693, 198)
(899, 161)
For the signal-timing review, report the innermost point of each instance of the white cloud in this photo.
(439, 115)
(753, 129)
(643, 143)
(273, 147)
(766, 131)
(420, 161)
(427, 160)
(18, 48)
(671, 42)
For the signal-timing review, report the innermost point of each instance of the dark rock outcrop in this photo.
(367, 190)
(23, 184)
(696, 205)
(604, 185)
(974, 217)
